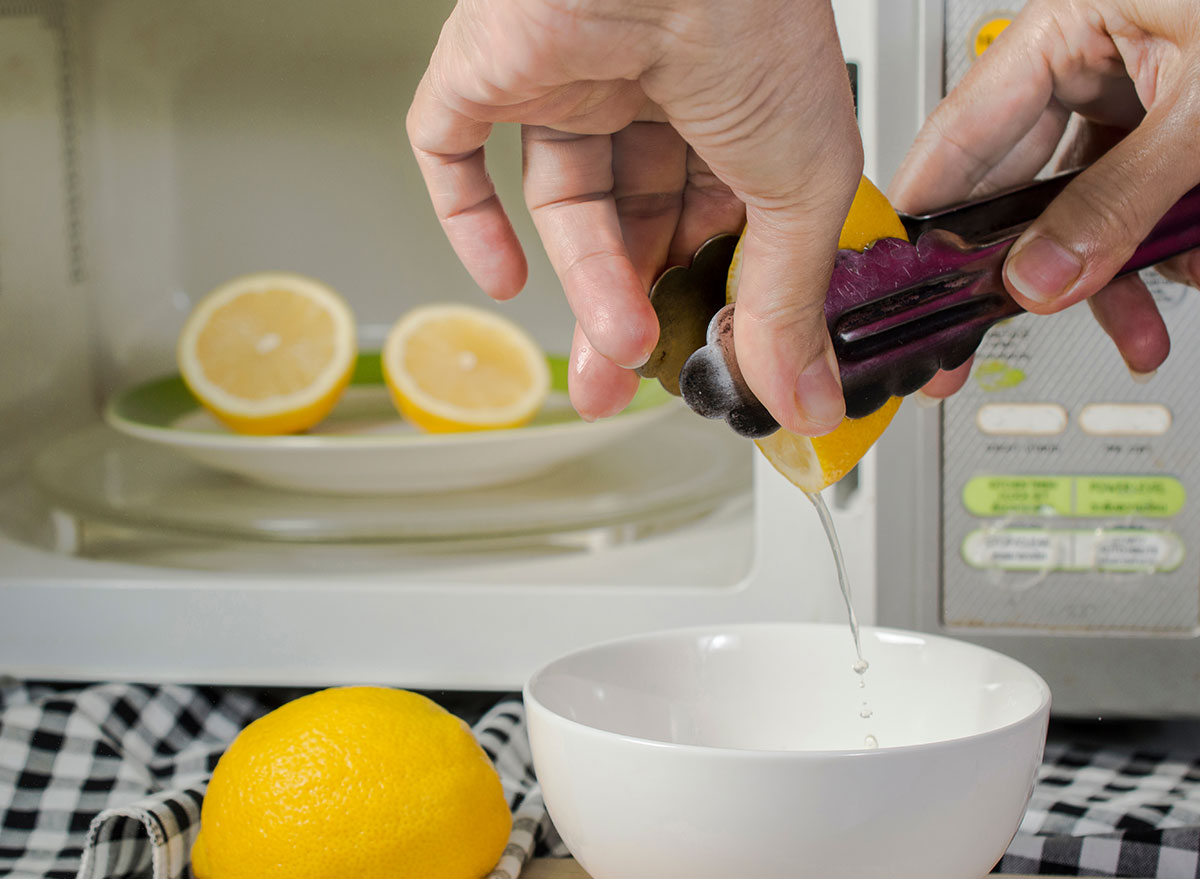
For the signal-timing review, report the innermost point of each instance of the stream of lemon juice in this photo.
(861, 665)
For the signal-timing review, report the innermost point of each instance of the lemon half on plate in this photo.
(269, 353)
(458, 367)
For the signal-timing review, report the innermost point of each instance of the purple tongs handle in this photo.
(899, 312)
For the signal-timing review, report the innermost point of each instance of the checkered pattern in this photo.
(106, 781)
(1111, 812)
(110, 776)
(501, 733)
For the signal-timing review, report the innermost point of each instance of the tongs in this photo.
(897, 312)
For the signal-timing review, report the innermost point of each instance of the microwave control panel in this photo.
(1070, 489)
(1070, 492)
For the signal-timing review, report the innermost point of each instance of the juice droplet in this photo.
(860, 667)
(866, 711)
(871, 742)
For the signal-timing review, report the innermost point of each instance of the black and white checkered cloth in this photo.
(106, 781)
(1111, 812)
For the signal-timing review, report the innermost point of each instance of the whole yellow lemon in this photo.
(368, 782)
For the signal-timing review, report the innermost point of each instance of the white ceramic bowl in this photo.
(739, 751)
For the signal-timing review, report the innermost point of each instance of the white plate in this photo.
(365, 447)
(676, 470)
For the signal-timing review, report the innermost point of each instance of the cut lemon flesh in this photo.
(269, 353)
(458, 367)
(815, 463)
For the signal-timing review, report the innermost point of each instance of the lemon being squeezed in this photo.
(815, 463)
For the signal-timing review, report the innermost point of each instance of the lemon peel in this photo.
(367, 782)
(815, 463)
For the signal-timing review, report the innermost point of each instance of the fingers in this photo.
(1028, 155)
(1000, 105)
(569, 189)
(449, 150)
(1003, 121)
(1086, 141)
(649, 175)
(649, 171)
(1183, 269)
(598, 387)
(780, 334)
(1126, 311)
(775, 123)
(1052, 54)
(1084, 237)
(709, 208)
(947, 382)
(921, 184)
(655, 180)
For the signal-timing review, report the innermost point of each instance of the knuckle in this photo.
(788, 315)
(1110, 213)
(649, 205)
(824, 186)
(702, 179)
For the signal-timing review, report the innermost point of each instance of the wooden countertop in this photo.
(565, 868)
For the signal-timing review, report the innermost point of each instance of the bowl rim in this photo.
(531, 701)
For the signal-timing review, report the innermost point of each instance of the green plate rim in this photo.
(155, 405)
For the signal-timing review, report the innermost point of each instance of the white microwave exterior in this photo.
(95, 282)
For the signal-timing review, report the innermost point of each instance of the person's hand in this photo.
(649, 128)
(1130, 72)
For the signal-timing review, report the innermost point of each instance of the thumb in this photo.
(780, 335)
(1090, 231)
(777, 126)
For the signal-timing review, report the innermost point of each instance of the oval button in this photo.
(1129, 550)
(1022, 419)
(1016, 549)
(1125, 419)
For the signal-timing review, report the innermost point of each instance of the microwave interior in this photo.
(150, 152)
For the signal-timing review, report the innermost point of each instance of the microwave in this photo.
(150, 151)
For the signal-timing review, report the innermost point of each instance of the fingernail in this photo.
(819, 393)
(1141, 378)
(1042, 270)
(925, 401)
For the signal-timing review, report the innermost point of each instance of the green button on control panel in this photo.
(1093, 497)
(1152, 496)
(1010, 495)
